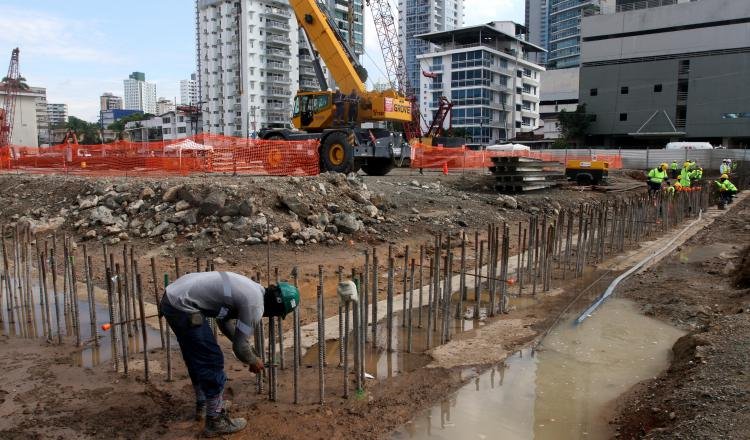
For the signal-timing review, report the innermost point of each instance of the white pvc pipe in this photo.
(607, 293)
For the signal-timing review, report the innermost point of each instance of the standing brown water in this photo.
(564, 390)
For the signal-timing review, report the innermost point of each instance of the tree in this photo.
(460, 132)
(574, 126)
(87, 132)
(20, 82)
(119, 125)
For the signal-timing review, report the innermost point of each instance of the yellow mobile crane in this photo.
(343, 147)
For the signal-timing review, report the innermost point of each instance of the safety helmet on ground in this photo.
(724, 176)
(677, 186)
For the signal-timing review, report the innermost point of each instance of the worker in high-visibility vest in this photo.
(674, 169)
(727, 190)
(686, 175)
(725, 168)
(656, 177)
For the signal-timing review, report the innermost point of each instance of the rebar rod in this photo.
(111, 308)
(321, 339)
(297, 340)
(144, 333)
(389, 306)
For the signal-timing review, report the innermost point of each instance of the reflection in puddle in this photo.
(561, 391)
(381, 364)
(89, 355)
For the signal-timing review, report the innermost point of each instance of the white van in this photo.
(689, 146)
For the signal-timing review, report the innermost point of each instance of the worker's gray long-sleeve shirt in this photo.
(220, 295)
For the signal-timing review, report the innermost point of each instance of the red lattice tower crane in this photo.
(395, 64)
(10, 85)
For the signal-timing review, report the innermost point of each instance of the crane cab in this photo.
(313, 111)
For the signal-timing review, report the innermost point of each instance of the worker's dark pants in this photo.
(674, 173)
(339, 115)
(653, 187)
(726, 196)
(202, 355)
(353, 112)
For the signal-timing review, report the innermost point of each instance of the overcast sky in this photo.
(79, 49)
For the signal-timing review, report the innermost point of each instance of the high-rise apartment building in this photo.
(42, 116)
(555, 25)
(341, 11)
(248, 64)
(417, 17)
(139, 94)
(189, 90)
(487, 73)
(57, 114)
(108, 101)
(164, 105)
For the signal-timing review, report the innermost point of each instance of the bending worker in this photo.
(674, 170)
(237, 303)
(656, 177)
(727, 190)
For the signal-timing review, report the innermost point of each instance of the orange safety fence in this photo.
(426, 156)
(203, 153)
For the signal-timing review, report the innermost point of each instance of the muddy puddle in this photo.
(563, 390)
(381, 364)
(89, 353)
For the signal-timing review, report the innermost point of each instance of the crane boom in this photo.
(331, 50)
(8, 110)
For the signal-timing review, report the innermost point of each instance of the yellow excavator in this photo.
(344, 145)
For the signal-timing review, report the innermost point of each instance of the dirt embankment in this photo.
(703, 288)
(328, 220)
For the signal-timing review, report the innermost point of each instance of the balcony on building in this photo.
(277, 67)
(277, 25)
(278, 40)
(306, 71)
(278, 92)
(274, 12)
(278, 80)
(277, 53)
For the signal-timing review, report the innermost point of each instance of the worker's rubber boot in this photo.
(223, 424)
(200, 411)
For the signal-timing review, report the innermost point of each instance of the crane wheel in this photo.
(336, 154)
(379, 166)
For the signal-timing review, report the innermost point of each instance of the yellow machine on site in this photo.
(587, 172)
(344, 147)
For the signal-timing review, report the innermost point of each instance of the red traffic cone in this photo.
(445, 168)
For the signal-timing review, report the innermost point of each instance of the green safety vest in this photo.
(657, 175)
(685, 176)
(674, 166)
(726, 185)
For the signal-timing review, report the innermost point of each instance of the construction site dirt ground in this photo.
(703, 288)
(43, 395)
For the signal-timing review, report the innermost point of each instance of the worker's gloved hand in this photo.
(240, 345)
(256, 367)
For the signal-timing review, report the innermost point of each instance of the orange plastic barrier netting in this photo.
(426, 156)
(204, 153)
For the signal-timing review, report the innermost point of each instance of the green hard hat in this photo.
(280, 300)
